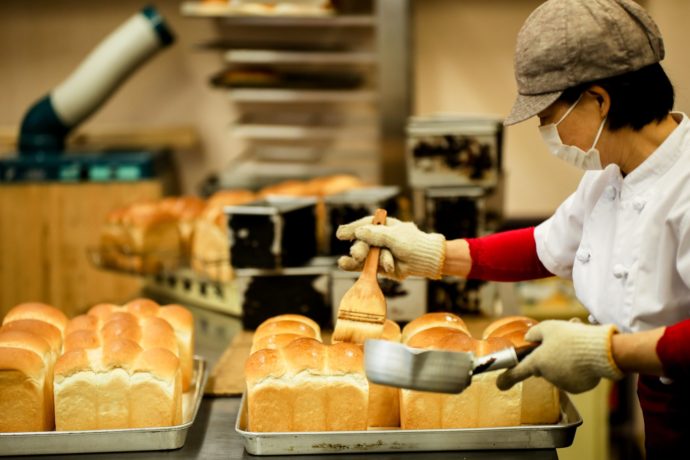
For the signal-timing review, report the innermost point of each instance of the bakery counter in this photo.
(213, 436)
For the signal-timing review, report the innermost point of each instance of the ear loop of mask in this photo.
(570, 109)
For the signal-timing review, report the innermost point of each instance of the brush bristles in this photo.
(356, 331)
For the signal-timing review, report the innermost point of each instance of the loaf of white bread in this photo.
(296, 383)
(30, 343)
(482, 404)
(280, 333)
(210, 247)
(141, 237)
(117, 367)
(307, 386)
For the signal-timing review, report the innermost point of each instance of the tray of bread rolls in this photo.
(119, 378)
(306, 397)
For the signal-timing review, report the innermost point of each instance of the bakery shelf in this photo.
(299, 57)
(282, 132)
(298, 96)
(315, 18)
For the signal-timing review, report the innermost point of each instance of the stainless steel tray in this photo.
(556, 435)
(126, 440)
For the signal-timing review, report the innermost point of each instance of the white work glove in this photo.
(406, 250)
(573, 356)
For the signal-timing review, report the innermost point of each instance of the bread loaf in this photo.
(141, 237)
(30, 343)
(307, 386)
(540, 399)
(210, 248)
(384, 401)
(186, 210)
(118, 385)
(482, 404)
(25, 382)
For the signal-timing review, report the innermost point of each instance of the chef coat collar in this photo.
(660, 161)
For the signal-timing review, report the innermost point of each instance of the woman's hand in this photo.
(573, 356)
(406, 250)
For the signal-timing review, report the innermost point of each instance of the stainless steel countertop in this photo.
(213, 434)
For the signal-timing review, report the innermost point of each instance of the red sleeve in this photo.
(673, 349)
(506, 256)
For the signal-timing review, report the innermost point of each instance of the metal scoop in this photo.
(397, 365)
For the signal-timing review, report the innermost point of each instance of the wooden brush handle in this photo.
(371, 264)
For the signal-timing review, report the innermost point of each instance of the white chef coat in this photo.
(625, 242)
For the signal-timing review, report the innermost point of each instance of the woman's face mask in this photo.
(589, 160)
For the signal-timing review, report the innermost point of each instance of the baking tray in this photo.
(125, 440)
(550, 436)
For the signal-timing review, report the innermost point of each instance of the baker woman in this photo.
(589, 70)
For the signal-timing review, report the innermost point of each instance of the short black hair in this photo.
(637, 98)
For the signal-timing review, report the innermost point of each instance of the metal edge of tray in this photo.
(124, 440)
(394, 440)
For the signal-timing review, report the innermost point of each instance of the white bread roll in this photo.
(26, 402)
(384, 401)
(540, 399)
(429, 320)
(307, 386)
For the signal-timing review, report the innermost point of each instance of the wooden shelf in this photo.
(315, 18)
(298, 96)
(299, 57)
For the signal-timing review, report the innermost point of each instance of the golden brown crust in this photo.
(158, 333)
(495, 325)
(102, 310)
(48, 332)
(142, 307)
(433, 338)
(178, 316)
(345, 358)
(273, 342)
(84, 338)
(331, 185)
(305, 354)
(285, 327)
(120, 353)
(72, 362)
(121, 325)
(39, 311)
(391, 331)
(429, 320)
(25, 340)
(161, 363)
(286, 188)
(22, 360)
(292, 317)
(262, 364)
(83, 322)
(145, 215)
